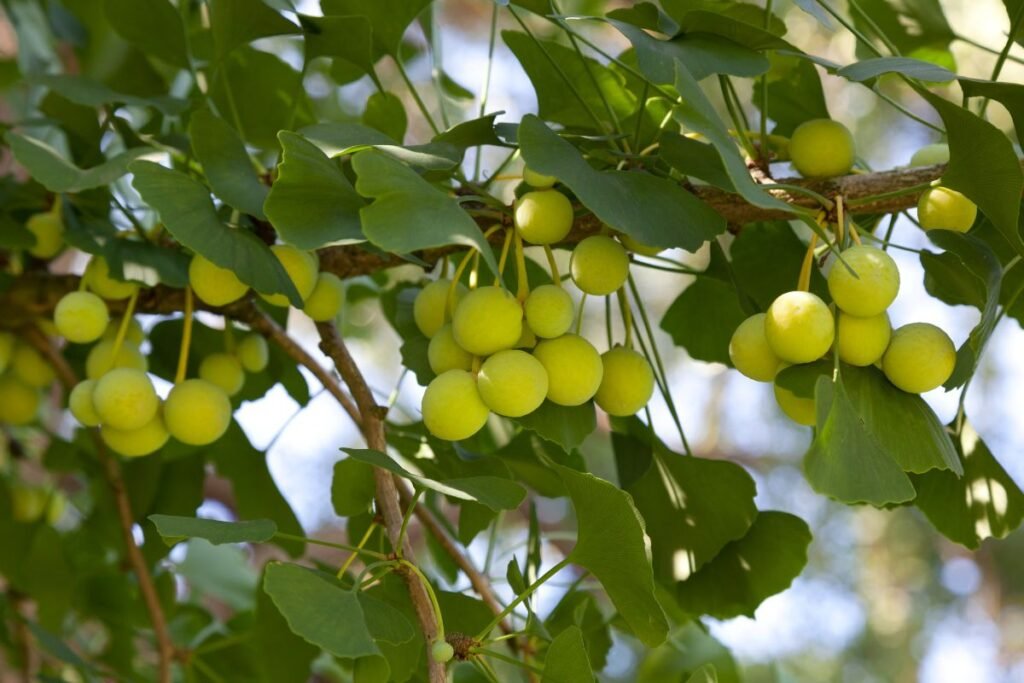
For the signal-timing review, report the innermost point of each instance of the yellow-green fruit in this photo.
(799, 327)
(48, 229)
(821, 148)
(862, 341)
(214, 285)
(929, 155)
(81, 405)
(134, 443)
(750, 352)
(253, 352)
(638, 247)
(444, 354)
(101, 359)
(134, 335)
(920, 358)
(538, 180)
(197, 412)
(512, 383)
(28, 503)
(574, 369)
(627, 382)
(549, 311)
(327, 298)
(487, 320)
(870, 288)
(428, 309)
(543, 216)
(6, 349)
(223, 370)
(599, 265)
(31, 368)
(81, 317)
(98, 279)
(796, 408)
(124, 398)
(452, 407)
(19, 402)
(945, 209)
(302, 267)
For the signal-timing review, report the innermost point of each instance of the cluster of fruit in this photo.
(493, 351)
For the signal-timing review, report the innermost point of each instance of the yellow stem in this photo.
(804, 283)
(627, 316)
(352, 557)
(474, 274)
(579, 318)
(229, 336)
(552, 266)
(504, 257)
(523, 290)
(186, 338)
(450, 308)
(122, 329)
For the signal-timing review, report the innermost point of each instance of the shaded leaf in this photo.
(154, 26)
(226, 163)
(566, 426)
(765, 257)
(352, 487)
(389, 18)
(715, 305)
(57, 174)
(794, 93)
(238, 22)
(868, 69)
(91, 93)
(704, 54)
(566, 660)
(386, 113)
(173, 529)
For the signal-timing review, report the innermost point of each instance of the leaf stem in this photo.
(486, 89)
(359, 548)
(1015, 25)
(186, 337)
(328, 544)
(508, 660)
(405, 520)
(519, 599)
(552, 265)
(430, 592)
(416, 96)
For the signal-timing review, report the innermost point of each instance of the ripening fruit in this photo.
(543, 216)
(441, 651)
(101, 359)
(31, 368)
(638, 247)
(799, 327)
(862, 341)
(134, 443)
(444, 354)
(48, 229)
(452, 407)
(302, 267)
(929, 155)
(18, 401)
(599, 265)
(821, 148)
(223, 370)
(574, 369)
(81, 317)
(796, 408)
(253, 352)
(134, 335)
(538, 180)
(214, 285)
(920, 357)
(124, 398)
(946, 209)
(512, 383)
(750, 352)
(6, 349)
(197, 412)
(98, 279)
(872, 289)
(487, 320)
(327, 298)
(81, 405)
(627, 382)
(428, 310)
(549, 311)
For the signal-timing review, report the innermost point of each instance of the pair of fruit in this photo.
(82, 317)
(940, 207)
(227, 369)
(24, 373)
(30, 504)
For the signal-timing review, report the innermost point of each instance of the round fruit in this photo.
(18, 401)
(538, 180)
(920, 358)
(487, 320)
(799, 327)
(862, 341)
(452, 407)
(134, 335)
(512, 383)
(428, 310)
(197, 412)
(31, 368)
(81, 317)
(223, 370)
(441, 651)
(302, 267)
(214, 285)
(599, 265)
(6, 349)
(124, 398)
(28, 503)
(870, 288)
(327, 298)
(253, 352)
(574, 369)
(627, 382)
(549, 311)
(946, 209)
(543, 216)
(97, 278)
(821, 148)
(48, 229)
(134, 443)
(638, 247)
(444, 354)
(750, 352)
(101, 359)
(929, 155)
(81, 405)
(797, 408)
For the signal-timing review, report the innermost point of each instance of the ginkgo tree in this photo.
(180, 184)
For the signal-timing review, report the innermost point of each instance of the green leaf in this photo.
(386, 113)
(385, 623)
(154, 26)
(694, 158)
(226, 163)
(189, 215)
(564, 425)
(566, 660)
(472, 133)
(352, 487)
(1010, 95)
(705, 674)
(389, 18)
(794, 93)
(734, 29)
(747, 571)
(579, 609)
(348, 40)
(239, 22)
(219, 572)
(868, 69)
(278, 653)
(765, 256)
(918, 28)
(689, 648)
(57, 174)
(715, 304)
(91, 93)
(312, 203)
(453, 89)
(173, 529)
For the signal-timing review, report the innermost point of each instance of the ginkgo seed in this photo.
(864, 282)
(750, 352)
(599, 265)
(197, 412)
(487, 320)
(549, 311)
(627, 382)
(452, 407)
(125, 399)
(543, 216)
(822, 148)
(223, 370)
(920, 357)
(574, 369)
(212, 284)
(512, 383)
(81, 317)
(429, 307)
(799, 327)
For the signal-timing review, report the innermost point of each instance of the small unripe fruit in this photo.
(124, 398)
(549, 311)
(99, 281)
(134, 335)
(627, 382)
(822, 148)
(920, 357)
(31, 368)
(135, 443)
(327, 298)
(7, 341)
(929, 155)
(81, 317)
(512, 383)
(81, 405)
(543, 216)
(638, 247)
(945, 209)
(452, 407)
(488, 320)
(442, 652)
(796, 408)
(19, 402)
(253, 352)
(101, 359)
(599, 265)
(428, 309)
(197, 412)
(870, 288)
(574, 369)
(538, 180)
(48, 229)
(302, 267)
(862, 341)
(799, 327)
(223, 370)
(214, 285)
(749, 350)
(444, 354)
